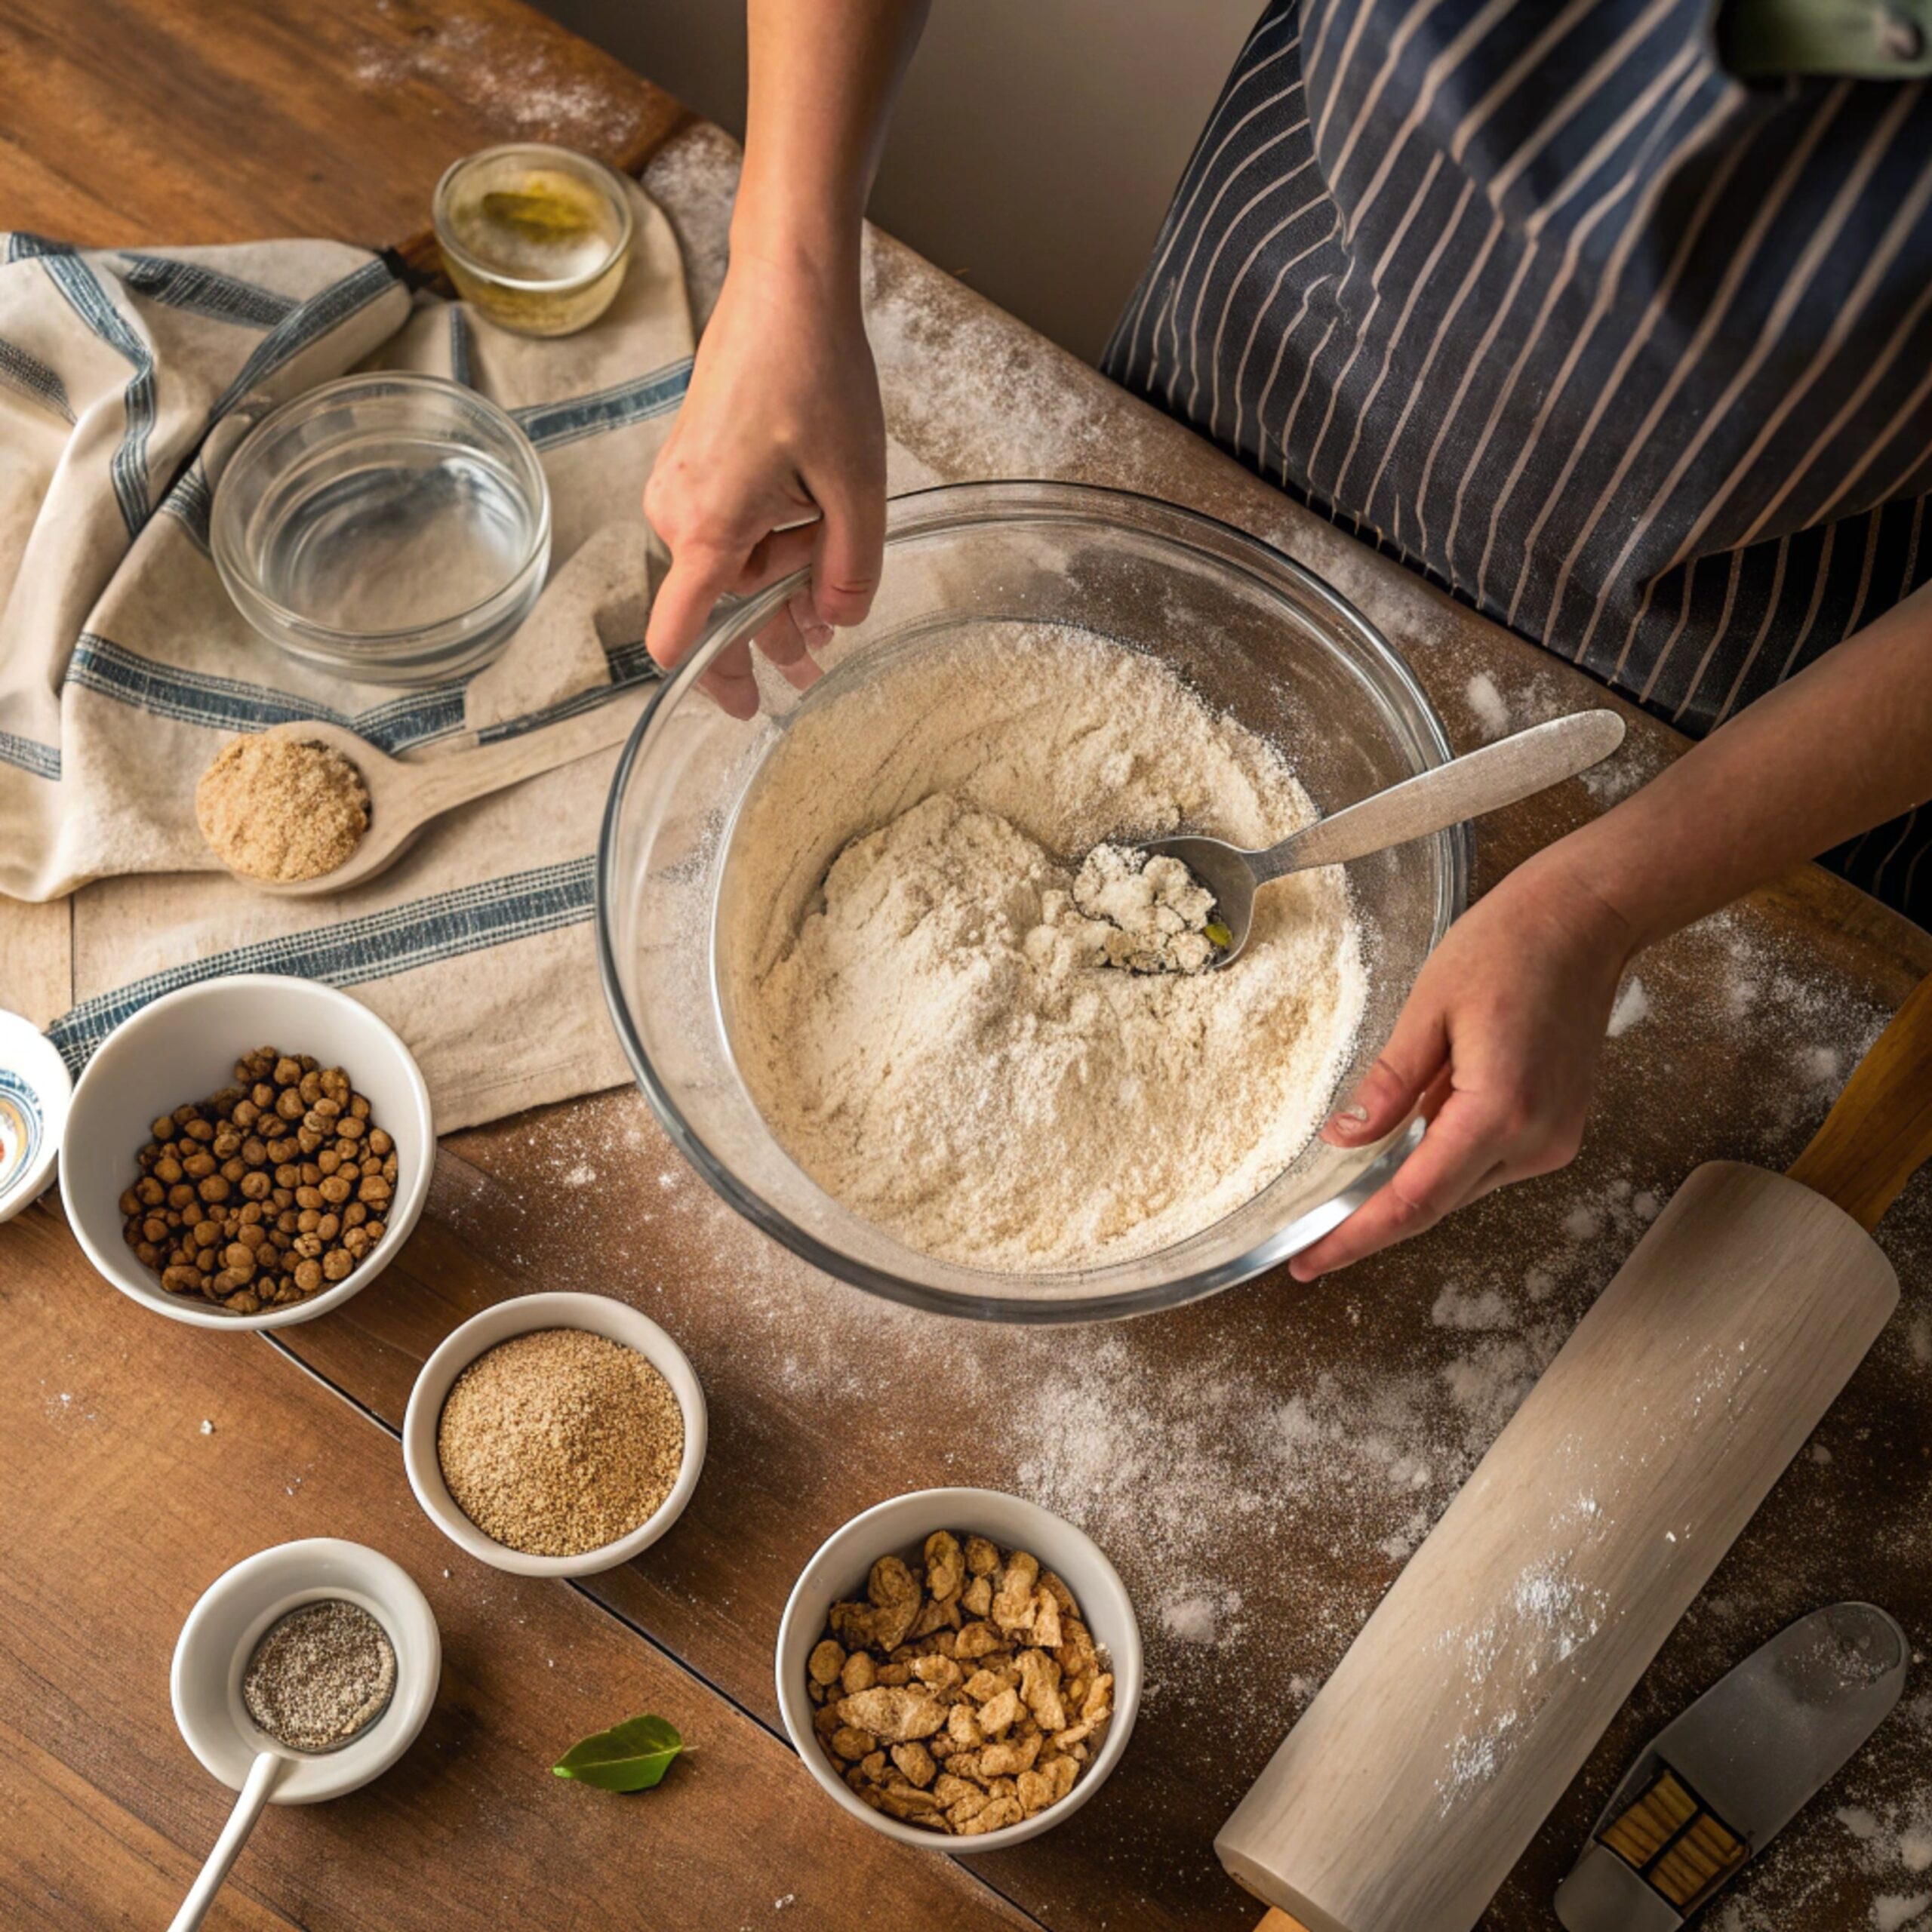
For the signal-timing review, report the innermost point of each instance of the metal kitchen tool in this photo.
(404, 797)
(1418, 1776)
(1714, 1787)
(1513, 768)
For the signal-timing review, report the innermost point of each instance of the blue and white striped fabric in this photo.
(1633, 358)
(127, 379)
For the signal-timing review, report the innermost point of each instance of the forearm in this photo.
(823, 74)
(1844, 747)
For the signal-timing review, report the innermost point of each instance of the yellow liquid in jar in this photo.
(531, 226)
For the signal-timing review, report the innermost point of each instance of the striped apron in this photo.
(1634, 357)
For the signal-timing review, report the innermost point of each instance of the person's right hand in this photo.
(778, 460)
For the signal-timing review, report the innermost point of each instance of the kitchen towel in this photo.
(127, 378)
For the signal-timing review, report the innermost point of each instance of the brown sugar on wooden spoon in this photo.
(282, 808)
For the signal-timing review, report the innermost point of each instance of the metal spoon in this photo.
(1513, 768)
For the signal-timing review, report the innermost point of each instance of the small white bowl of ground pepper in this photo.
(555, 1434)
(176, 1059)
(341, 1703)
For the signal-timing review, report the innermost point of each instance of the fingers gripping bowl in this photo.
(1257, 639)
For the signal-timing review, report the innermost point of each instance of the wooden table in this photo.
(1259, 1465)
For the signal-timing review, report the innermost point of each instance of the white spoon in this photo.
(249, 1805)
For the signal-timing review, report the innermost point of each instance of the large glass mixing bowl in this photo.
(1252, 633)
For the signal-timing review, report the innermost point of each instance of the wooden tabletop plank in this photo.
(121, 1507)
(71, 1856)
(196, 120)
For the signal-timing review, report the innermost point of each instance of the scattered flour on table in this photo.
(1455, 1308)
(918, 1001)
(1633, 1005)
(1491, 708)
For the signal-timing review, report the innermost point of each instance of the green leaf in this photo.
(1219, 934)
(631, 1756)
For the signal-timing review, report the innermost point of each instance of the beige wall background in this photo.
(1036, 144)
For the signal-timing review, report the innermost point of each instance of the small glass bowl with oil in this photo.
(536, 237)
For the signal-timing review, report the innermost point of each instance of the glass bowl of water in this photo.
(391, 528)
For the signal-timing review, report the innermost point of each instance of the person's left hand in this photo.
(1496, 1047)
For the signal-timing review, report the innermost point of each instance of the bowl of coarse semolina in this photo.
(1026, 1640)
(555, 1434)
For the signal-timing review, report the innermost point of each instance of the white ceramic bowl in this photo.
(600, 1315)
(184, 1046)
(225, 1626)
(36, 1089)
(899, 1528)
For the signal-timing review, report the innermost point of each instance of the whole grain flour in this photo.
(916, 1001)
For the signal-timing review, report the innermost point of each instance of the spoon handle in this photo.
(444, 783)
(1514, 767)
(248, 1804)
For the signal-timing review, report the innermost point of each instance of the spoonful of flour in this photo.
(923, 999)
(1151, 914)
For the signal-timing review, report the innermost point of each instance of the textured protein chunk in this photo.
(895, 1715)
(976, 1640)
(1000, 1713)
(977, 1599)
(963, 1727)
(984, 1685)
(935, 1617)
(1039, 1689)
(851, 1743)
(916, 1762)
(937, 1672)
(1046, 1620)
(826, 1662)
(981, 1556)
(858, 1673)
(1046, 1786)
(908, 1802)
(998, 1760)
(1013, 1602)
(998, 1812)
(945, 1565)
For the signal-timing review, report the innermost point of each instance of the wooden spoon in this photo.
(404, 798)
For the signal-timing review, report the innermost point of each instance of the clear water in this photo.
(395, 543)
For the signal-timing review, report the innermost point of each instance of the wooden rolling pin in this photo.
(1417, 1777)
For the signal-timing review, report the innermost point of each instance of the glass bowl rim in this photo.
(610, 180)
(245, 585)
(923, 513)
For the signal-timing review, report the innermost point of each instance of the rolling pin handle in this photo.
(1878, 1133)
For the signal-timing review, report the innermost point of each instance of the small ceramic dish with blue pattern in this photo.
(35, 1088)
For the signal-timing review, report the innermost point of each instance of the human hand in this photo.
(1496, 1047)
(778, 460)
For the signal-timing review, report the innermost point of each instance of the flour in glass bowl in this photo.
(916, 1007)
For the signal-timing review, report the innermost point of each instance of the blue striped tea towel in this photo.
(126, 377)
